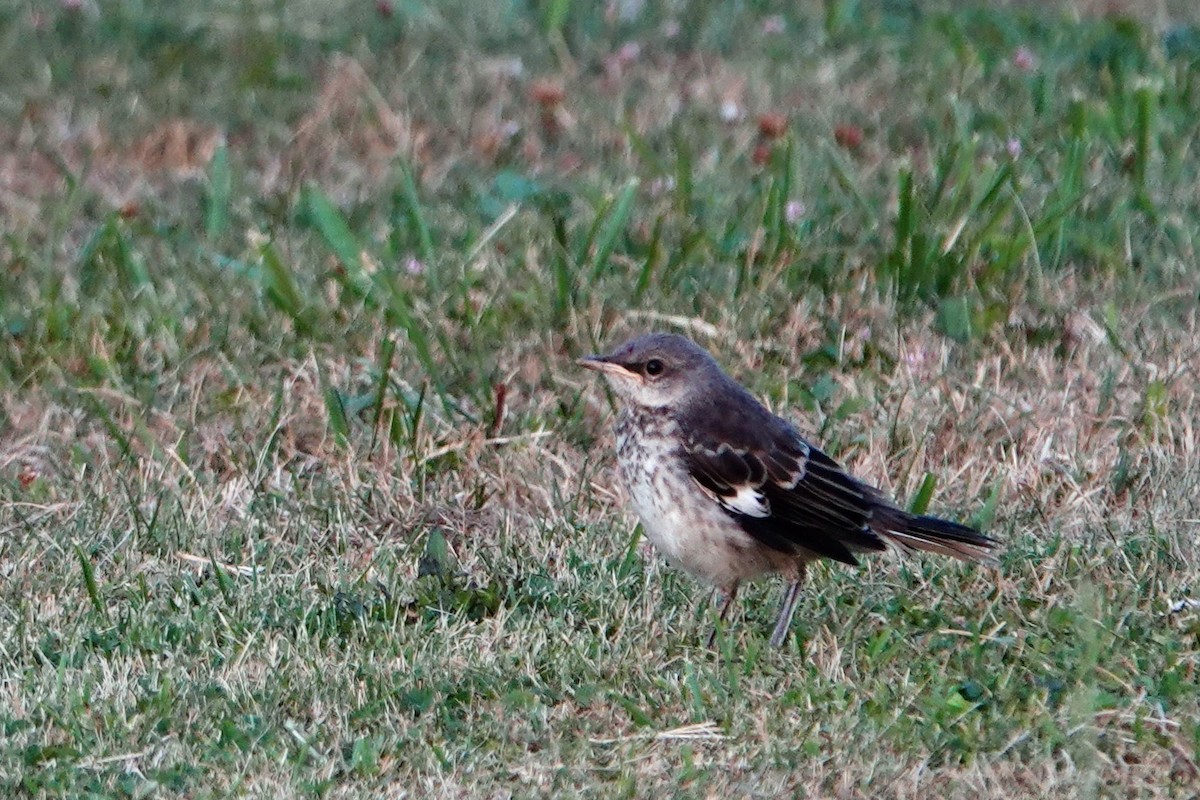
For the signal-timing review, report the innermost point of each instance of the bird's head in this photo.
(656, 370)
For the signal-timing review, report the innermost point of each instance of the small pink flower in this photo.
(414, 266)
(660, 185)
(918, 360)
(793, 211)
(670, 29)
(71, 5)
(1024, 59)
(629, 53)
(1013, 146)
(773, 25)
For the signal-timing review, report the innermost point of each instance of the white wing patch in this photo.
(749, 501)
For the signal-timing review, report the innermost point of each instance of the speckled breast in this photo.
(683, 523)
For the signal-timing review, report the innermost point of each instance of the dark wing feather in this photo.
(810, 502)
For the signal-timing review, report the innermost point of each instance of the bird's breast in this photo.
(683, 522)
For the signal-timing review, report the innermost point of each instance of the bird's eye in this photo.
(654, 367)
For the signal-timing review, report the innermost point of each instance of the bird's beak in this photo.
(602, 364)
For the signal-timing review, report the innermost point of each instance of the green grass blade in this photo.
(555, 16)
(108, 251)
(338, 237)
(266, 452)
(335, 409)
(560, 267)
(639, 717)
(642, 147)
(400, 314)
(217, 198)
(1143, 131)
(954, 318)
(987, 515)
(653, 257)
(133, 266)
(224, 582)
(613, 226)
(629, 563)
(416, 217)
(903, 232)
(89, 582)
(775, 219)
(772, 217)
(110, 425)
(416, 415)
(920, 501)
(280, 286)
(842, 176)
(387, 353)
(684, 173)
(586, 247)
(436, 560)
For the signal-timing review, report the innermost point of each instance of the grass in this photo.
(302, 495)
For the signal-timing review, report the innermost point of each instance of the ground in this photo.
(301, 492)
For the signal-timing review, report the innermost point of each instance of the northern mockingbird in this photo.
(728, 491)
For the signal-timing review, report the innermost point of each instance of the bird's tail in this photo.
(942, 536)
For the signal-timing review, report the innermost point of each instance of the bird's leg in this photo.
(730, 594)
(784, 621)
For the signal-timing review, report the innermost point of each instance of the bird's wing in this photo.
(788, 494)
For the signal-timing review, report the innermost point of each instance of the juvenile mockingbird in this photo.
(728, 491)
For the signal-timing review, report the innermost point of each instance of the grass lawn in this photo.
(301, 492)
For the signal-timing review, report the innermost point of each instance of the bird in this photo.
(728, 491)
